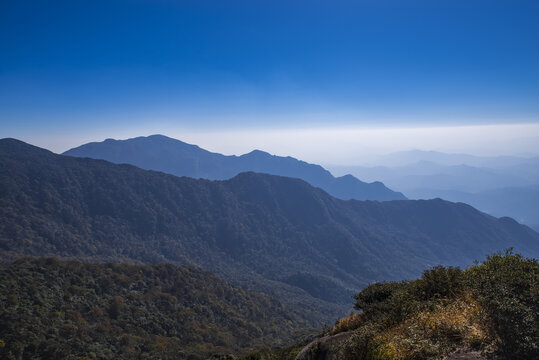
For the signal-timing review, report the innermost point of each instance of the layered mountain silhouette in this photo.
(499, 186)
(275, 234)
(403, 158)
(521, 203)
(161, 153)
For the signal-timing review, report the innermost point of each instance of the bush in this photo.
(507, 287)
(351, 322)
(360, 345)
(492, 305)
(439, 282)
(378, 301)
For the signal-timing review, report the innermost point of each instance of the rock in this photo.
(324, 348)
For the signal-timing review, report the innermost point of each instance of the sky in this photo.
(326, 81)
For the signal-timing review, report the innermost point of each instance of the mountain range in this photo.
(424, 174)
(270, 233)
(519, 202)
(500, 186)
(403, 158)
(161, 153)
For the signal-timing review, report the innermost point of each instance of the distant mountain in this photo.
(425, 174)
(161, 153)
(504, 191)
(55, 309)
(409, 157)
(275, 234)
(521, 203)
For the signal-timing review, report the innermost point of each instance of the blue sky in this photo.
(72, 71)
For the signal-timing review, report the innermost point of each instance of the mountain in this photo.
(426, 174)
(503, 191)
(275, 234)
(161, 153)
(521, 203)
(55, 309)
(409, 157)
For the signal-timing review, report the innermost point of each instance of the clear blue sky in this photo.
(74, 66)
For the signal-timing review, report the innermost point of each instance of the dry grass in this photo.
(432, 333)
(351, 322)
(490, 307)
(429, 334)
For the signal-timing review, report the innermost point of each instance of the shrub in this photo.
(507, 287)
(378, 301)
(351, 322)
(360, 344)
(494, 303)
(439, 282)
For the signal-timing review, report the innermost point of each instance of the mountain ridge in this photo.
(411, 156)
(509, 190)
(161, 153)
(269, 233)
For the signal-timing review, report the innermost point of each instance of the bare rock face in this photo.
(325, 348)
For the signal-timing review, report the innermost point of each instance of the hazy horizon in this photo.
(327, 83)
(333, 145)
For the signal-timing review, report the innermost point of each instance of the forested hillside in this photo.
(270, 233)
(52, 309)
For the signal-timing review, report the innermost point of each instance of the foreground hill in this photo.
(488, 311)
(53, 309)
(158, 152)
(270, 233)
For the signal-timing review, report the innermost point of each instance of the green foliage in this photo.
(360, 344)
(492, 304)
(380, 301)
(117, 304)
(439, 282)
(68, 309)
(392, 302)
(507, 286)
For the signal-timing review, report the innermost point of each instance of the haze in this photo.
(325, 82)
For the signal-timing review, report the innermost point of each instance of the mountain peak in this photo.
(10, 146)
(161, 153)
(257, 152)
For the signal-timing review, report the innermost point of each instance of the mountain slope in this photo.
(521, 203)
(275, 234)
(59, 309)
(175, 157)
(509, 191)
